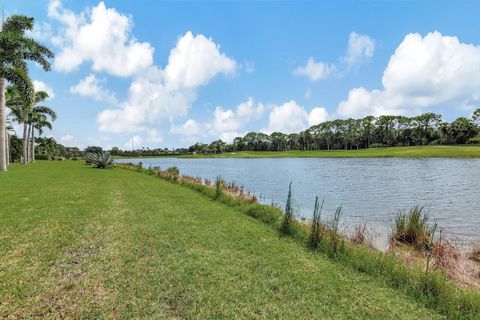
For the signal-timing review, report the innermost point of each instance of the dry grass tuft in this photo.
(361, 236)
(446, 257)
(474, 254)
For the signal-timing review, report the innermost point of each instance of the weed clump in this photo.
(412, 228)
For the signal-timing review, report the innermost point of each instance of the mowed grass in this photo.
(85, 243)
(464, 151)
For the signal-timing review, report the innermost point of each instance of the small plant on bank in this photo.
(289, 215)
(317, 227)
(173, 173)
(412, 228)
(218, 186)
(361, 236)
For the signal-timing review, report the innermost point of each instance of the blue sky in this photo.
(168, 74)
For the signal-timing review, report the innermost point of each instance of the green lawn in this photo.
(84, 243)
(464, 151)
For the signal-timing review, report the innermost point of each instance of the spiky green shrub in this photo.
(289, 214)
(101, 160)
(316, 227)
(412, 228)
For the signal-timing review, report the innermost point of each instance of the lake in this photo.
(370, 190)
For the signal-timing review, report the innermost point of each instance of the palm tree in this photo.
(15, 49)
(38, 119)
(19, 110)
(9, 129)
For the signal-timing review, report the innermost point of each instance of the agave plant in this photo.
(102, 160)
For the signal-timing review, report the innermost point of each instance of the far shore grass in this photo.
(461, 151)
(86, 243)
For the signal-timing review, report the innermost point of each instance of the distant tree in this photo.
(462, 130)
(476, 116)
(93, 149)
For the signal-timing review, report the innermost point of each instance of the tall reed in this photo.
(335, 238)
(218, 186)
(286, 227)
(316, 232)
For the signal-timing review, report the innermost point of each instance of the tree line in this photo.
(368, 132)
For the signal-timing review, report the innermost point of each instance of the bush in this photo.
(412, 228)
(41, 157)
(377, 145)
(474, 140)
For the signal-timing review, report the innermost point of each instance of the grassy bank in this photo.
(464, 151)
(87, 243)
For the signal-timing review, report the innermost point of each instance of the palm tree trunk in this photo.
(7, 147)
(28, 143)
(32, 146)
(3, 126)
(25, 143)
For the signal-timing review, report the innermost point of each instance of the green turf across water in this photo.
(464, 151)
(84, 243)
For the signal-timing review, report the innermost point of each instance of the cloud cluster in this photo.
(360, 49)
(225, 124)
(100, 36)
(429, 71)
(165, 94)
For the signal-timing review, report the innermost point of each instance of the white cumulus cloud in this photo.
(68, 140)
(93, 88)
(42, 86)
(195, 61)
(317, 115)
(190, 128)
(315, 70)
(360, 48)
(424, 72)
(293, 118)
(227, 123)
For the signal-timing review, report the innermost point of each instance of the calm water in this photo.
(370, 190)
